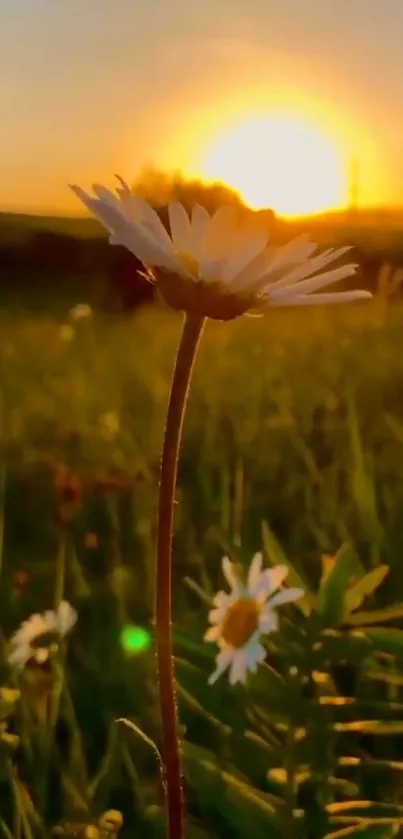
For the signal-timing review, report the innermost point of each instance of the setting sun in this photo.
(280, 162)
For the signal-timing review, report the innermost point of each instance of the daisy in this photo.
(240, 618)
(218, 266)
(40, 635)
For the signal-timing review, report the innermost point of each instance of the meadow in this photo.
(293, 445)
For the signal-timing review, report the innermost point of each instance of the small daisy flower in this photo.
(80, 311)
(240, 618)
(218, 266)
(40, 635)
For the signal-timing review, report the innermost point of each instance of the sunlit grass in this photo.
(295, 419)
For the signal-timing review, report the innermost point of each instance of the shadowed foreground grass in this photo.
(294, 428)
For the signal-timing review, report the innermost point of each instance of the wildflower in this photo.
(40, 635)
(80, 311)
(240, 618)
(218, 266)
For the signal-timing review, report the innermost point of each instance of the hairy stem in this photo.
(176, 409)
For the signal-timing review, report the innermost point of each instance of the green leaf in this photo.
(371, 764)
(388, 727)
(198, 708)
(369, 809)
(363, 489)
(390, 613)
(356, 595)
(342, 647)
(330, 601)
(193, 644)
(383, 673)
(245, 807)
(387, 640)
(367, 830)
(276, 556)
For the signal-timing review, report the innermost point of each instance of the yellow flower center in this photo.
(240, 623)
(189, 262)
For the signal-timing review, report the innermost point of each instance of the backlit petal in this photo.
(268, 620)
(230, 572)
(223, 661)
(271, 579)
(238, 668)
(220, 235)
(212, 634)
(289, 595)
(254, 573)
(180, 227)
(315, 283)
(244, 254)
(199, 224)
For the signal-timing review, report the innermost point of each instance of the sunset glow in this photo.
(279, 161)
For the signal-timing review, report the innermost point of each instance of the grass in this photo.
(295, 428)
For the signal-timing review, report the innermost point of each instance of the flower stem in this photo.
(191, 334)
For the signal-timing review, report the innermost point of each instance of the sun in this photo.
(279, 161)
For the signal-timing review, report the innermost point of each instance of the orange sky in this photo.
(90, 87)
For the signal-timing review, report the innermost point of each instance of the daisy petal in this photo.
(254, 574)
(41, 655)
(125, 190)
(212, 634)
(219, 236)
(223, 661)
(66, 617)
(244, 255)
(152, 222)
(216, 615)
(255, 654)
(238, 669)
(268, 621)
(220, 599)
(250, 279)
(19, 657)
(312, 266)
(108, 216)
(230, 573)
(271, 580)
(199, 224)
(180, 227)
(289, 595)
(315, 283)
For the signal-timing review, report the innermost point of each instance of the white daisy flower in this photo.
(80, 311)
(40, 635)
(218, 266)
(240, 618)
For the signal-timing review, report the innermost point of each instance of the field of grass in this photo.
(294, 445)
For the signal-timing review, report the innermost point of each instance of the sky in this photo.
(93, 87)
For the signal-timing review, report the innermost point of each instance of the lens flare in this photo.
(135, 639)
